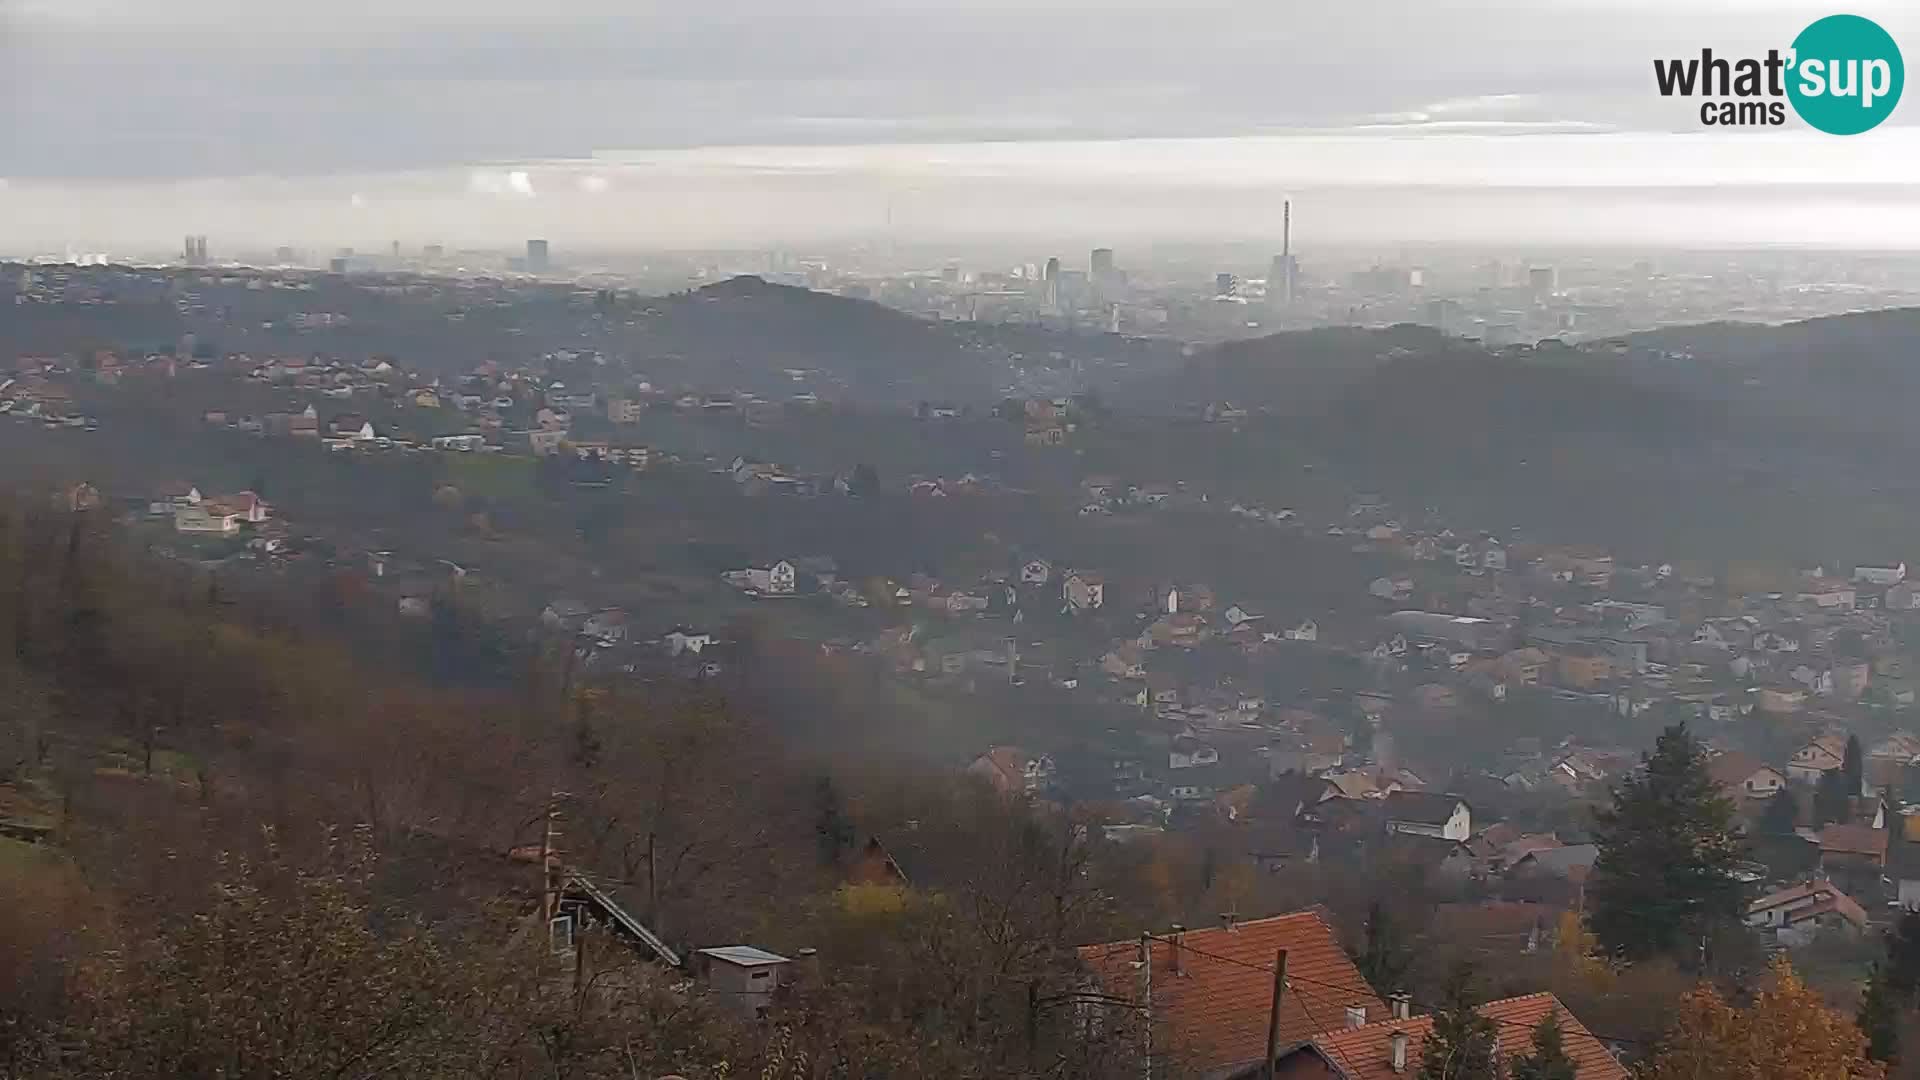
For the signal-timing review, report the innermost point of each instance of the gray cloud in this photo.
(217, 87)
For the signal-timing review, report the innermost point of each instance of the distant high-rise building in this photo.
(1225, 285)
(283, 255)
(537, 256)
(337, 264)
(196, 251)
(1100, 267)
(1053, 269)
(433, 251)
(1542, 281)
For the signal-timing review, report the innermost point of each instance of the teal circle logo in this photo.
(1846, 75)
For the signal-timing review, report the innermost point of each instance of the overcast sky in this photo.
(731, 120)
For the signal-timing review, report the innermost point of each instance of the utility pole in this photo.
(1146, 1003)
(550, 859)
(1273, 1013)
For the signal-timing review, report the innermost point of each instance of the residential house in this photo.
(686, 641)
(1083, 590)
(544, 442)
(1580, 566)
(1238, 616)
(1187, 752)
(1421, 813)
(1201, 783)
(1780, 699)
(1817, 680)
(1850, 678)
(1821, 755)
(1391, 588)
(173, 498)
(352, 426)
(1848, 846)
(1903, 597)
(1393, 1047)
(1035, 572)
(1125, 661)
(1903, 865)
(780, 579)
(197, 519)
(1307, 754)
(1212, 989)
(1795, 913)
(1583, 667)
(1308, 630)
(1012, 771)
(1901, 746)
(1828, 593)
(245, 507)
(1524, 667)
(1743, 776)
(1880, 575)
(608, 625)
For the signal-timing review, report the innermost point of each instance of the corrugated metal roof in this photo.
(744, 955)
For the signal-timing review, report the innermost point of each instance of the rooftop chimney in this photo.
(1356, 1016)
(1402, 1006)
(1397, 1042)
(1173, 947)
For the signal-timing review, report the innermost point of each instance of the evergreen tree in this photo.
(1902, 969)
(831, 826)
(1549, 1060)
(1782, 813)
(1664, 876)
(1384, 957)
(1461, 1044)
(1893, 989)
(1879, 1017)
(1830, 798)
(1853, 766)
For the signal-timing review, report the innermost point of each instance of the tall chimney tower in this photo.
(1283, 278)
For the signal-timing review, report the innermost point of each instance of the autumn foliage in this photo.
(1787, 1033)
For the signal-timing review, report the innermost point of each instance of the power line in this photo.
(1345, 1063)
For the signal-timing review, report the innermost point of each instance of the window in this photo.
(560, 934)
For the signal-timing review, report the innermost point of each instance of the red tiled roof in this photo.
(1854, 840)
(1822, 898)
(1365, 1053)
(1214, 1012)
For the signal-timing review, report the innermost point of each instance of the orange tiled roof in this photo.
(1365, 1053)
(1854, 840)
(1214, 1012)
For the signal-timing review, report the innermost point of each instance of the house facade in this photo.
(1419, 813)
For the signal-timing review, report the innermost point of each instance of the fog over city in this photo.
(609, 126)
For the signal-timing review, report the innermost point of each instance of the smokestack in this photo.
(1173, 947)
(1402, 1006)
(1398, 1044)
(1356, 1016)
(1286, 227)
